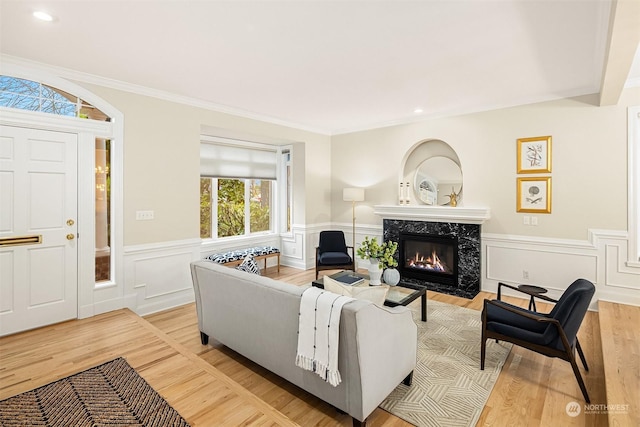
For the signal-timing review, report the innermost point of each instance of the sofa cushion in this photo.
(375, 294)
(249, 265)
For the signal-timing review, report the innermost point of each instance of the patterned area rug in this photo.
(112, 394)
(448, 389)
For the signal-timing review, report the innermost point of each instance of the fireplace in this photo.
(455, 268)
(428, 257)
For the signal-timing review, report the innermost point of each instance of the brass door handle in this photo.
(70, 222)
(70, 236)
(21, 240)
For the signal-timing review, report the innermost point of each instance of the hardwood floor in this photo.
(532, 390)
(212, 385)
(198, 391)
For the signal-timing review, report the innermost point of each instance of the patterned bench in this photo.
(235, 258)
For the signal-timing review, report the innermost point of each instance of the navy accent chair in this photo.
(553, 334)
(332, 252)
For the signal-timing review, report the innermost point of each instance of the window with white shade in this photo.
(237, 188)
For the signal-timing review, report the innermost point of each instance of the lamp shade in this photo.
(353, 194)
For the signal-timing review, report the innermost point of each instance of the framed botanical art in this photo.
(534, 155)
(534, 195)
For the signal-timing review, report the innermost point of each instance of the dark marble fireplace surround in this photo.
(468, 236)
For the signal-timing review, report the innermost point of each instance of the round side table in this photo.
(533, 291)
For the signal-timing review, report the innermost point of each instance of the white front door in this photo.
(38, 230)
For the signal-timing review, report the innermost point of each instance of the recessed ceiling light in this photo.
(418, 110)
(43, 16)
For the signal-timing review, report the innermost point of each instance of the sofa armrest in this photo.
(386, 340)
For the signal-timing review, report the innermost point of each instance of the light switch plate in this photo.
(144, 215)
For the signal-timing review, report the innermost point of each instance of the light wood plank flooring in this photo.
(622, 365)
(198, 391)
(212, 385)
(532, 390)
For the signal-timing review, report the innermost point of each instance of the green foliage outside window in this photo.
(230, 207)
(205, 208)
(259, 204)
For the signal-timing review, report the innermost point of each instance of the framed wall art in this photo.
(534, 195)
(534, 155)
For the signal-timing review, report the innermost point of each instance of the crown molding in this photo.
(154, 93)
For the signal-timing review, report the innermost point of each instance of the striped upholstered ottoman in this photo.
(234, 258)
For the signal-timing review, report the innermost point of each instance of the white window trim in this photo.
(633, 186)
(282, 190)
(247, 214)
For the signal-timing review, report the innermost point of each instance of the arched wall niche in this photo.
(429, 157)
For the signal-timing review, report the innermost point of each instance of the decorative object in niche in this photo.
(404, 194)
(533, 195)
(453, 198)
(433, 179)
(534, 155)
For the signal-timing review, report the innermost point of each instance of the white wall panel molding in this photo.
(292, 250)
(157, 276)
(555, 263)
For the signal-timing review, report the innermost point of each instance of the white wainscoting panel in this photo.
(555, 263)
(157, 276)
(292, 252)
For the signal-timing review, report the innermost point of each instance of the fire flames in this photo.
(431, 263)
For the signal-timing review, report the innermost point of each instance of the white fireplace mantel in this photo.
(458, 214)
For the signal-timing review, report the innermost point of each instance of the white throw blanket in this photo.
(318, 333)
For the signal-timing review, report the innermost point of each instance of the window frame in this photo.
(247, 211)
(285, 189)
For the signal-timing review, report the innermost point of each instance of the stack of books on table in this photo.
(350, 279)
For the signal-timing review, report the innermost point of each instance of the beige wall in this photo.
(589, 164)
(161, 165)
(589, 158)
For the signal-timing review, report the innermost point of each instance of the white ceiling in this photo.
(327, 66)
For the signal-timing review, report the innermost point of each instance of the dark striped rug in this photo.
(112, 394)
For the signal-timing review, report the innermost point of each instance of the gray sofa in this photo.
(258, 317)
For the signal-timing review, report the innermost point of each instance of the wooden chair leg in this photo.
(576, 371)
(483, 344)
(581, 354)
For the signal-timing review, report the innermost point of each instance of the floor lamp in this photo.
(353, 195)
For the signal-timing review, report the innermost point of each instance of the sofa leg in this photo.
(204, 338)
(408, 380)
(358, 423)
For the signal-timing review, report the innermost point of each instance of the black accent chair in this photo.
(333, 253)
(553, 334)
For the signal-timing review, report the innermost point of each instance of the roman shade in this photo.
(220, 160)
